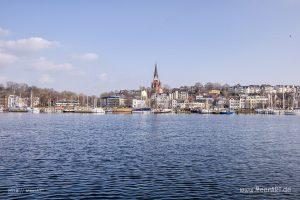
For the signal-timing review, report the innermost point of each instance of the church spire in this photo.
(155, 72)
(156, 85)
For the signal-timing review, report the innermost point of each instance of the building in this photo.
(256, 101)
(15, 101)
(144, 95)
(156, 84)
(174, 95)
(234, 104)
(4, 102)
(215, 92)
(66, 103)
(35, 101)
(112, 101)
(183, 95)
(138, 103)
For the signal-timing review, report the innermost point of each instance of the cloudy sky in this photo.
(95, 46)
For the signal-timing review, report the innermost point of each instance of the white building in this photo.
(253, 89)
(137, 103)
(234, 104)
(174, 95)
(183, 96)
(17, 102)
(257, 101)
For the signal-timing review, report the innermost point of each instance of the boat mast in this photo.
(31, 104)
(95, 102)
(283, 102)
(272, 101)
(87, 101)
(294, 97)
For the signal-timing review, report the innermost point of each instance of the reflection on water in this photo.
(151, 156)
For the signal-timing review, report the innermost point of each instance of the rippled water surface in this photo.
(61, 156)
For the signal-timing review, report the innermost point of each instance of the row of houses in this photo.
(212, 99)
(15, 101)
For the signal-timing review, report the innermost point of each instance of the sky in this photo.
(93, 46)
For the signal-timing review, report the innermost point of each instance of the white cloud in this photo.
(28, 45)
(6, 59)
(45, 78)
(43, 64)
(86, 57)
(78, 73)
(4, 32)
(103, 76)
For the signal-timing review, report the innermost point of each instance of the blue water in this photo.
(72, 156)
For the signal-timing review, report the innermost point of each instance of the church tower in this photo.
(156, 85)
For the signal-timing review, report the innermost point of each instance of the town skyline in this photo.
(92, 50)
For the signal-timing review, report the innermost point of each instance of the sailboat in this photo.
(31, 108)
(293, 111)
(278, 111)
(96, 109)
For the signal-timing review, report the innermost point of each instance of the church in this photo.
(156, 86)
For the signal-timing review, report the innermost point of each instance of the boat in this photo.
(141, 111)
(289, 112)
(161, 111)
(297, 111)
(122, 110)
(98, 110)
(33, 110)
(205, 111)
(17, 110)
(68, 111)
(279, 112)
(226, 112)
(196, 110)
(268, 111)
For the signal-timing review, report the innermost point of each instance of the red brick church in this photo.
(156, 84)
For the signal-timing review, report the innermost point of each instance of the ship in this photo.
(141, 111)
(98, 110)
(122, 110)
(226, 112)
(161, 111)
(17, 110)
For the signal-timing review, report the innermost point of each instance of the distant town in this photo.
(210, 98)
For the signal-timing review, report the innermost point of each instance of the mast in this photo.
(31, 104)
(283, 102)
(95, 102)
(271, 101)
(87, 101)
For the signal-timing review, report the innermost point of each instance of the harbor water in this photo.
(73, 156)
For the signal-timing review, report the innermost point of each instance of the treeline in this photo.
(46, 95)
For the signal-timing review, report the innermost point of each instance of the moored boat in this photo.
(279, 112)
(141, 111)
(161, 111)
(98, 110)
(33, 110)
(68, 111)
(289, 112)
(122, 110)
(206, 111)
(17, 110)
(226, 112)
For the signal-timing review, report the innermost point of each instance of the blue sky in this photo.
(96, 46)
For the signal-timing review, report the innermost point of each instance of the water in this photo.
(60, 156)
